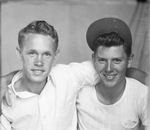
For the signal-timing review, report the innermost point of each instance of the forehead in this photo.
(38, 42)
(111, 52)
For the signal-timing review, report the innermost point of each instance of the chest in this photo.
(123, 115)
(48, 110)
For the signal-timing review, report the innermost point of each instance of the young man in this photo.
(51, 101)
(116, 102)
(43, 100)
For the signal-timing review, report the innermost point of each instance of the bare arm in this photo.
(137, 74)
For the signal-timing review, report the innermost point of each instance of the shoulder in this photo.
(137, 87)
(86, 96)
(86, 65)
(59, 68)
(60, 72)
(135, 83)
(73, 67)
(16, 77)
(86, 91)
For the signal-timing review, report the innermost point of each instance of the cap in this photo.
(107, 25)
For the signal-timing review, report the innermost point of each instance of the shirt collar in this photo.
(23, 94)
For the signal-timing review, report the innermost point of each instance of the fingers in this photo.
(1, 98)
(8, 98)
(4, 94)
(0, 107)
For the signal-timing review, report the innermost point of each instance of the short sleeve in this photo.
(84, 72)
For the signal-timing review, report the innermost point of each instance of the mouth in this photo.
(37, 71)
(110, 76)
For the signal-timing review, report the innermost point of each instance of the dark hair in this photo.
(38, 27)
(112, 39)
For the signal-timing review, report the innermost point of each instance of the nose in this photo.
(109, 67)
(39, 61)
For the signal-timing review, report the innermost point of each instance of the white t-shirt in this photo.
(55, 107)
(122, 115)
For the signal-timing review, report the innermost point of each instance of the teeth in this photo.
(37, 71)
(109, 77)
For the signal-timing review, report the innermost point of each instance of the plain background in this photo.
(71, 19)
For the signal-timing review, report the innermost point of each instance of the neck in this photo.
(110, 95)
(27, 85)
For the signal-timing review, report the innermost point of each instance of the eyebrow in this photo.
(112, 57)
(49, 52)
(32, 50)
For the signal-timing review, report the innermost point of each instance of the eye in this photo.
(117, 61)
(47, 55)
(101, 60)
(31, 53)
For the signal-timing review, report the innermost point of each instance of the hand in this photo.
(6, 97)
(4, 93)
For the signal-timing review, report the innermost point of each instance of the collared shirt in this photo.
(55, 107)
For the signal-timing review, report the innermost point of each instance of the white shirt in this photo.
(55, 107)
(122, 115)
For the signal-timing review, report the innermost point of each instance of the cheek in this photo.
(99, 67)
(28, 61)
(48, 63)
(121, 67)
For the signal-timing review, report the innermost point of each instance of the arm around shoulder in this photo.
(137, 74)
(4, 81)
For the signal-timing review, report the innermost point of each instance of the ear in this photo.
(130, 59)
(93, 57)
(18, 52)
(57, 53)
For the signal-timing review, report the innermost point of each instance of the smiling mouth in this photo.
(37, 72)
(109, 77)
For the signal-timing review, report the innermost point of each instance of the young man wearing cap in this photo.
(116, 102)
(58, 96)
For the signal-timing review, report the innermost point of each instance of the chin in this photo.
(110, 84)
(38, 79)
